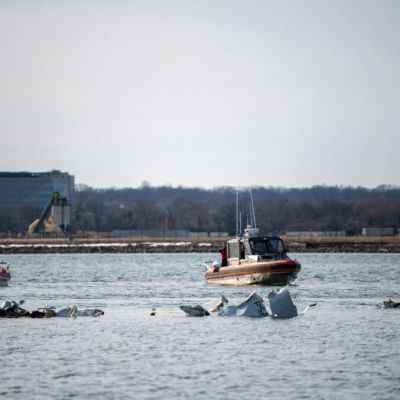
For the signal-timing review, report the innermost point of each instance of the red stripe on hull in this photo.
(276, 267)
(265, 273)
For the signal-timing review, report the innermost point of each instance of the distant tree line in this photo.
(278, 210)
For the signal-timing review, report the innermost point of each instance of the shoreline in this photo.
(146, 245)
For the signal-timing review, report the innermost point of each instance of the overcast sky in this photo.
(202, 93)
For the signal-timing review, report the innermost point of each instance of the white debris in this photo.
(12, 306)
(64, 312)
(88, 312)
(219, 305)
(67, 312)
(281, 304)
(253, 306)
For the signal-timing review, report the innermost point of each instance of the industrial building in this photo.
(54, 219)
(170, 233)
(34, 189)
(376, 231)
(316, 234)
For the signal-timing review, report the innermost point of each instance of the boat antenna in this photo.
(251, 217)
(252, 210)
(237, 214)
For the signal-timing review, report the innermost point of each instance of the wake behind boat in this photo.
(253, 259)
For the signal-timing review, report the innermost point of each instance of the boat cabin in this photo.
(255, 249)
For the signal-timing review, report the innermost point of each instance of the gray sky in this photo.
(202, 93)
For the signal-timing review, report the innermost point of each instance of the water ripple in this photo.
(344, 347)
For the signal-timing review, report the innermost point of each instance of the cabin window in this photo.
(277, 245)
(259, 246)
(266, 246)
(233, 249)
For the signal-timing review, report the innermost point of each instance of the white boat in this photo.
(252, 259)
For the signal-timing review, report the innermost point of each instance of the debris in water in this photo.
(194, 311)
(389, 304)
(12, 309)
(281, 304)
(219, 305)
(253, 306)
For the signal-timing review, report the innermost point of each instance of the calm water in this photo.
(343, 348)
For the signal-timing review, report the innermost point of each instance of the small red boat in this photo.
(5, 275)
(253, 260)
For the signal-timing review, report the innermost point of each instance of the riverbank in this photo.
(344, 245)
(143, 245)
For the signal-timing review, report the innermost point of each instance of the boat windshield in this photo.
(261, 246)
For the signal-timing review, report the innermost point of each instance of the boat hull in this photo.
(4, 275)
(277, 273)
(4, 281)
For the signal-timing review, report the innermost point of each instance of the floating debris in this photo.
(389, 304)
(200, 311)
(194, 311)
(70, 312)
(253, 306)
(219, 305)
(12, 309)
(280, 302)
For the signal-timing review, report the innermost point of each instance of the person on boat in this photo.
(5, 273)
(242, 251)
(224, 255)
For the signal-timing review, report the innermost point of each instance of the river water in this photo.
(345, 347)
